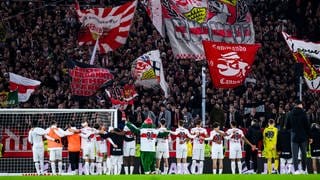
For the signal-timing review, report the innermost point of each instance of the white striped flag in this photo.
(110, 25)
(25, 86)
(154, 11)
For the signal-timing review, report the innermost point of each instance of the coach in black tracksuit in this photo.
(299, 125)
(254, 135)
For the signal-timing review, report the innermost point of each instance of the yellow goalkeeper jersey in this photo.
(270, 135)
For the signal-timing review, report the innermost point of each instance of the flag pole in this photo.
(203, 74)
(94, 52)
(300, 87)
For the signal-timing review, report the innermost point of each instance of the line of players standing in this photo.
(92, 142)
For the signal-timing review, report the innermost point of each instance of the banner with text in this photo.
(229, 64)
(190, 22)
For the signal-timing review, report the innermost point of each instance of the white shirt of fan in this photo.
(59, 132)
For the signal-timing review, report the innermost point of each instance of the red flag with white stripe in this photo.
(110, 25)
(25, 86)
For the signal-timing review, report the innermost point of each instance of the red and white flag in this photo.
(229, 64)
(308, 48)
(154, 11)
(108, 25)
(86, 81)
(25, 86)
(311, 72)
(188, 22)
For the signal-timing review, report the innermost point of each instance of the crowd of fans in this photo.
(40, 37)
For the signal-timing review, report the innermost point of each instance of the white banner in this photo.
(308, 48)
(190, 22)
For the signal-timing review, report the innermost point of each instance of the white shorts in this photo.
(235, 152)
(162, 150)
(283, 160)
(115, 160)
(55, 154)
(129, 148)
(198, 154)
(88, 152)
(181, 151)
(38, 154)
(317, 157)
(217, 151)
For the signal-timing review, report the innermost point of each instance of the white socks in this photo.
(193, 166)
(179, 169)
(131, 169)
(105, 167)
(53, 168)
(165, 170)
(59, 167)
(200, 171)
(86, 168)
(233, 167)
(119, 169)
(126, 170)
(240, 167)
(99, 168)
(36, 164)
(185, 168)
(214, 171)
(91, 168)
(41, 167)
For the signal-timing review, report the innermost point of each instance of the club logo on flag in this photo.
(229, 64)
(310, 72)
(110, 26)
(189, 22)
(147, 71)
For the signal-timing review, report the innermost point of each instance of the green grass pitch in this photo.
(166, 177)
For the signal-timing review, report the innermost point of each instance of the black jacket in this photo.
(254, 134)
(299, 125)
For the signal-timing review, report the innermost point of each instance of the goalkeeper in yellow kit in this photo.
(270, 135)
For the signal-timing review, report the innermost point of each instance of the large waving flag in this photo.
(25, 86)
(308, 48)
(188, 22)
(147, 71)
(109, 26)
(311, 73)
(154, 11)
(303, 52)
(86, 79)
(229, 64)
